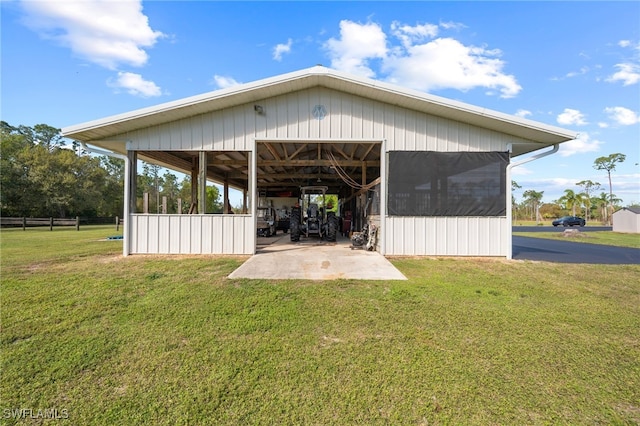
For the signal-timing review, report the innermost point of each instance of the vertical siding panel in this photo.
(399, 129)
(389, 129)
(325, 125)
(197, 141)
(228, 130)
(152, 234)
(260, 122)
(472, 231)
(464, 238)
(293, 121)
(432, 133)
(314, 125)
(418, 236)
(356, 118)
(410, 133)
(217, 130)
(174, 234)
(421, 132)
(431, 236)
(239, 129)
(335, 116)
(281, 117)
(195, 240)
(132, 223)
(367, 119)
(303, 115)
(409, 236)
(216, 234)
(208, 136)
(206, 242)
(163, 234)
(227, 234)
(378, 124)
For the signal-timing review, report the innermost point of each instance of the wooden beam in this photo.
(272, 150)
(297, 151)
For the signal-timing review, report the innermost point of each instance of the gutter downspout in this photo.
(127, 167)
(509, 235)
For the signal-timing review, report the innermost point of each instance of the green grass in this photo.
(608, 238)
(170, 340)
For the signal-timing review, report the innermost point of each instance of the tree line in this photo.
(40, 176)
(586, 203)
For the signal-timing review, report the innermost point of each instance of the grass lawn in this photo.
(170, 340)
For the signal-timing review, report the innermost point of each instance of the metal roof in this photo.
(107, 127)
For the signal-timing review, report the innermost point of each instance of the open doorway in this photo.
(348, 170)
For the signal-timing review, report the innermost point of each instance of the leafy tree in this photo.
(609, 163)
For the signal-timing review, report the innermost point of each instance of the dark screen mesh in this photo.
(430, 183)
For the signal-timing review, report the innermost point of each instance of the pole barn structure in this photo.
(434, 175)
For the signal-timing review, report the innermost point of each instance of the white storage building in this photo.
(433, 173)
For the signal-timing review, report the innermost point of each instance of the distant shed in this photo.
(627, 220)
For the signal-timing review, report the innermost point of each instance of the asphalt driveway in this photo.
(527, 248)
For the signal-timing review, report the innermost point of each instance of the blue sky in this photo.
(570, 64)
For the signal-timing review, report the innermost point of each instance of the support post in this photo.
(50, 224)
(202, 182)
(77, 223)
(195, 166)
(164, 204)
(117, 223)
(226, 207)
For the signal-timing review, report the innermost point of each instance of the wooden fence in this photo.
(25, 222)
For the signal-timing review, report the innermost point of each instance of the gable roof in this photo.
(540, 134)
(632, 209)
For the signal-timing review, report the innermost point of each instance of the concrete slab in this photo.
(312, 259)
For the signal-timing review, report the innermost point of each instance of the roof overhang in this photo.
(101, 132)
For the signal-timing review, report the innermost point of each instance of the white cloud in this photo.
(224, 82)
(571, 117)
(107, 33)
(521, 171)
(358, 44)
(135, 85)
(628, 74)
(523, 113)
(281, 49)
(582, 144)
(624, 43)
(622, 115)
(409, 35)
(582, 71)
(419, 61)
(445, 63)
(603, 125)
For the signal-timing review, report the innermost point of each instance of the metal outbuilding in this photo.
(627, 220)
(319, 124)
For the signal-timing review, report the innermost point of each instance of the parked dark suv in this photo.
(569, 221)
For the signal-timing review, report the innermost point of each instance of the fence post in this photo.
(77, 223)
(117, 223)
(24, 223)
(50, 224)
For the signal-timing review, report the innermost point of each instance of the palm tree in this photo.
(609, 164)
(588, 186)
(570, 200)
(533, 199)
(602, 201)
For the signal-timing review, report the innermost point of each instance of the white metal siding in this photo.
(445, 236)
(289, 117)
(192, 234)
(349, 117)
